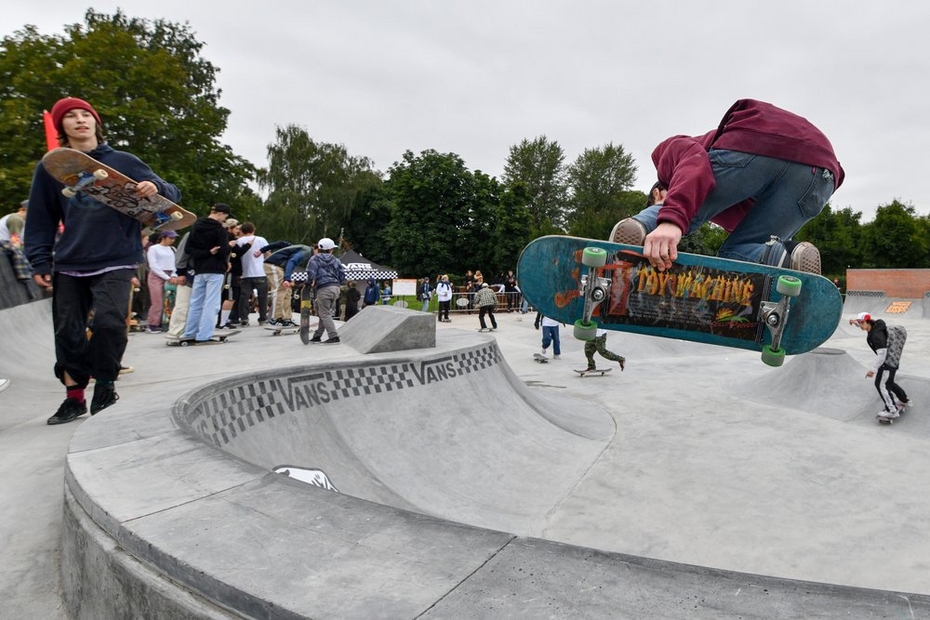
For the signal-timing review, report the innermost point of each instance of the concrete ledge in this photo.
(160, 523)
(382, 329)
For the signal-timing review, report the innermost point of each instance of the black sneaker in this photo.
(333, 340)
(316, 339)
(69, 410)
(104, 396)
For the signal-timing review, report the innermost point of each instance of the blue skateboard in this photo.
(598, 284)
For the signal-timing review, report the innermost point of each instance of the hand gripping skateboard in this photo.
(599, 284)
(82, 173)
(306, 309)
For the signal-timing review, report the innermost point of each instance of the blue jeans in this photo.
(204, 306)
(551, 336)
(787, 195)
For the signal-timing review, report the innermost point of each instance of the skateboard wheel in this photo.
(594, 257)
(773, 357)
(101, 174)
(788, 286)
(585, 331)
(177, 215)
(68, 192)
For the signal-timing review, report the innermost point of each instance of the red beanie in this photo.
(62, 106)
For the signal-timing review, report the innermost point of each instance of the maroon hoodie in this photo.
(749, 126)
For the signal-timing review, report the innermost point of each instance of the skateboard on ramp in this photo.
(215, 339)
(82, 173)
(599, 284)
(593, 371)
(281, 330)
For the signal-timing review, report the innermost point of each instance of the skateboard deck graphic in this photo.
(82, 173)
(701, 298)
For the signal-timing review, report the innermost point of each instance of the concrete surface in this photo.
(694, 455)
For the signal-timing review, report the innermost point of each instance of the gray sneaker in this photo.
(805, 257)
(628, 232)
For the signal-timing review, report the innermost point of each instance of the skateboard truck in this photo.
(775, 317)
(594, 290)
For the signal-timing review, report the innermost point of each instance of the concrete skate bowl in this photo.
(432, 474)
(830, 383)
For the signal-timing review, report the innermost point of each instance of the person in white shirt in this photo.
(444, 295)
(253, 275)
(160, 257)
(11, 225)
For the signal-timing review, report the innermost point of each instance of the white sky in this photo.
(476, 77)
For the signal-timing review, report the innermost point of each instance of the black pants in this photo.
(487, 310)
(444, 310)
(260, 285)
(889, 388)
(73, 299)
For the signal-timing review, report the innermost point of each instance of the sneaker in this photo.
(556, 357)
(244, 324)
(273, 322)
(286, 323)
(622, 362)
(152, 330)
(629, 232)
(316, 339)
(805, 257)
(69, 410)
(888, 415)
(544, 351)
(104, 396)
(333, 340)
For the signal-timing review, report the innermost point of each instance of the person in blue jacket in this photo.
(91, 264)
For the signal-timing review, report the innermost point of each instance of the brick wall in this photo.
(906, 283)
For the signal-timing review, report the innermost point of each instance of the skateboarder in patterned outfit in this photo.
(888, 343)
(599, 345)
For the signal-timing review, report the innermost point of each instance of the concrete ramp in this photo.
(381, 329)
(453, 434)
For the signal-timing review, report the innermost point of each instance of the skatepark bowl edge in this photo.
(466, 480)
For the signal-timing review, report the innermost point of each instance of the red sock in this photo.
(77, 393)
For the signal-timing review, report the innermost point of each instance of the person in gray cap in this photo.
(326, 275)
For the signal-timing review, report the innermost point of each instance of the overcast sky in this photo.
(476, 77)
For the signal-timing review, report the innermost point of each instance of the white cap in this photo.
(864, 316)
(326, 244)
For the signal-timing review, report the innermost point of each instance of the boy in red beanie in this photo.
(91, 265)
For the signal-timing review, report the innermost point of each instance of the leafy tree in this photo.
(894, 238)
(312, 186)
(838, 236)
(364, 231)
(540, 166)
(512, 228)
(444, 216)
(600, 180)
(147, 79)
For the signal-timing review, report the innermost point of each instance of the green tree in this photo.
(540, 166)
(444, 216)
(364, 231)
(512, 227)
(600, 180)
(154, 91)
(894, 239)
(838, 236)
(312, 187)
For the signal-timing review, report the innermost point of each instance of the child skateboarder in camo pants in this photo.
(599, 345)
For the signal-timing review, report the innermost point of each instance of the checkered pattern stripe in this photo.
(226, 414)
(299, 276)
(377, 274)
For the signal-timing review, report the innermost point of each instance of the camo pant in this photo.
(599, 345)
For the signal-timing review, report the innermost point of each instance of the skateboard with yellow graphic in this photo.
(599, 284)
(80, 172)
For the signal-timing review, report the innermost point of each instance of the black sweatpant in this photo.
(107, 294)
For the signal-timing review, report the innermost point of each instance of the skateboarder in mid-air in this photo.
(599, 345)
(91, 265)
(761, 172)
(888, 344)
